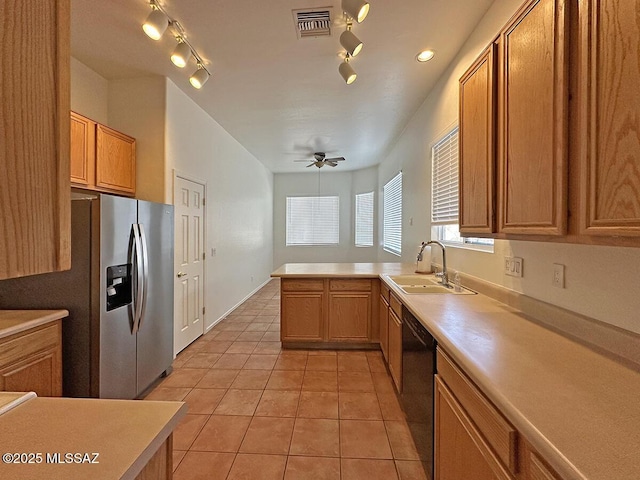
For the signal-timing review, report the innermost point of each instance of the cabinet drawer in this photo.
(395, 305)
(350, 284)
(384, 291)
(302, 285)
(496, 430)
(21, 345)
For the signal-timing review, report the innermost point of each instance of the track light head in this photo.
(181, 54)
(156, 24)
(351, 43)
(356, 9)
(199, 77)
(348, 73)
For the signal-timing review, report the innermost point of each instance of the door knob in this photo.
(181, 274)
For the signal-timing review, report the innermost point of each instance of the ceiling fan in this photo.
(320, 160)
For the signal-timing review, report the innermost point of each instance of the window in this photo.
(444, 200)
(392, 213)
(364, 219)
(313, 221)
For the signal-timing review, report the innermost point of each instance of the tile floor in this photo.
(258, 412)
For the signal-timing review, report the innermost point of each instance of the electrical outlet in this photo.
(558, 275)
(513, 266)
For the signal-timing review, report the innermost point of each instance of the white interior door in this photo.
(189, 263)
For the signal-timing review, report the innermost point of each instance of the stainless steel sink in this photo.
(426, 284)
(414, 279)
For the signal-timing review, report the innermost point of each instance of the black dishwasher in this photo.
(418, 370)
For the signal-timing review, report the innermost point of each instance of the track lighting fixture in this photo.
(181, 53)
(356, 9)
(199, 77)
(347, 71)
(156, 24)
(350, 42)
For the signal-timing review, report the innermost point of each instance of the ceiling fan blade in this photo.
(329, 162)
(311, 164)
(335, 159)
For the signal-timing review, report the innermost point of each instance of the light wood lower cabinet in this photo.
(383, 314)
(329, 311)
(32, 361)
(395, 349)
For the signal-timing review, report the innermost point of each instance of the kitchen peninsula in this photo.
(573, 412)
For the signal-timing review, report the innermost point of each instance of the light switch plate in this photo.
(513, 266)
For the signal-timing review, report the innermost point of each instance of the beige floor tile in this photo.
(271, 337)
(390, 407)
(171, 394)
(285, 380)
(249, 466)
(187, 430)
(229, 336)
(242, 347)
(315, 437)
(270, 435)
(221, 433)
(258, 327)
(184, 377)
(274, 327)
(235, 327)
(268, 347)
(204, 466)
(402, 445)
(351, 363)
(251, 380)
(276, 403)
(204, 400)
(324, 363)
(364, 439)
(359, 406)
(216, 346)
(260, 362)
(231, 361)
(355, 382)
(322, 352)
(251, 336)
(318, 405)
(218, 379)
(316, 468)
(291, 362)
(238, 402)
(320, 381)
(382, 383)
(358, 469)
(410, 470)
(376, 364)
(202, 360)
(178, 455)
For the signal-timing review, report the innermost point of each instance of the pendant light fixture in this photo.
(350, 42)
(356, 9)
(199, 77)
(156, 23)
(181, 54)
(347, 71)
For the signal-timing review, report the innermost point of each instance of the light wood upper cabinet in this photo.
(83, 151)
(533, 119)
(609, 70)
(35, 211)
(115, 160)
(477, 145)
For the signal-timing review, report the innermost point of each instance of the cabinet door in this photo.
(477, 145)
(533, 120)
(384, 327)
(115, 161)
(40, 374)
(395, 349)
(349, 316)
(458, 447)
(610, 122)
(302, 317)
(35, 211)
(83, 151)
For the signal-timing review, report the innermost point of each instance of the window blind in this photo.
(364, 219)
(313, 221)
(392, 215)
(445, 180)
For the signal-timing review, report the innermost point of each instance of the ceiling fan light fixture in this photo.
(181, 54)
(351, 43)
(356, 9)
(425, 56)
(348, 73)
(199, 77)
(155, 24)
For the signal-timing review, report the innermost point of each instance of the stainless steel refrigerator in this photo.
(118, 338)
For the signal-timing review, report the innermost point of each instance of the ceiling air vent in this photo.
(313, 23)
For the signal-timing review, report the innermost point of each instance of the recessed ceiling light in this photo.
(425, 56)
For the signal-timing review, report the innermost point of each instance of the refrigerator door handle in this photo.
(145, 273)
(137, 284)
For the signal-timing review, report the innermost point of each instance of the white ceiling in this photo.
(282, 97)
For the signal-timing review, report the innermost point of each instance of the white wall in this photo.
(89, 92)
(601, 282)
(239, 208)
(322, 182)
